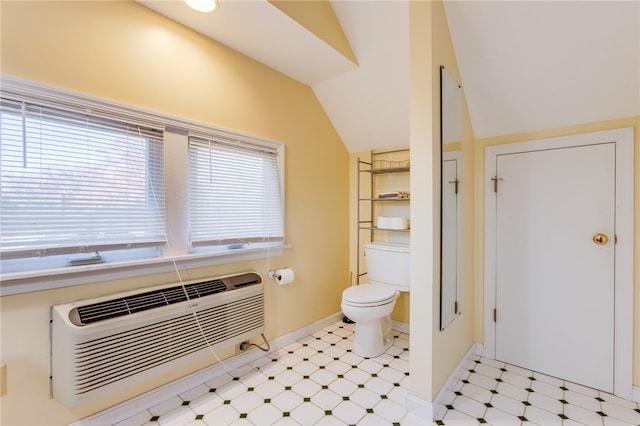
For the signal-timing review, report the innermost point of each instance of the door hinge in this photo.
(455, 307)
(615, 239)
(455, 183)
(495, 180)
(495, 315)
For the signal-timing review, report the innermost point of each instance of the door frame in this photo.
(623, 251)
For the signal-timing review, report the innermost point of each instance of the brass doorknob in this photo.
(600, 239)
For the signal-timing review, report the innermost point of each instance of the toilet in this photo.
(370, 305)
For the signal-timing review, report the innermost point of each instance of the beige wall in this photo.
(424, 223)
(439, 352)
(451, 344)
(481, 144)
(124, 52)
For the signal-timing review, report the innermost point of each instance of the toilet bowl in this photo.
(370, 305)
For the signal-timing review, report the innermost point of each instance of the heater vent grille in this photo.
(105, 346)
(112, 358)
(140, 302)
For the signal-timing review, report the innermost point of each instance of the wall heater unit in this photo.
(104, 345)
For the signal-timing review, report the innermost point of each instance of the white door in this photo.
(554, 284)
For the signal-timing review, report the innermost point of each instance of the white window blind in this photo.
(235, 195)
(72, 182)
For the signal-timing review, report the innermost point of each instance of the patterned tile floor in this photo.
(492, 392)
(320, 381)
(315, 381)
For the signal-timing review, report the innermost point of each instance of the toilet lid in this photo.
(368, 293)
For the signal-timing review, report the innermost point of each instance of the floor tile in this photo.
(552, 391)
(581, 400)
(618, 412)
(574, 387)
(179, 416)
(482, 381)
(338, 367)
(318, 380)
(287, 401)
(225, 414)
(379, 385)
(269, 389)
(515, 379)
(343, 387)
(469, 406)
(497, 417)
(518, 370)
(542, 417)
(513, 392)
(231, 390)
(247, 402)
(546, 403)
(365, 398)
(326, 399)
(618, 401)
(548, 379)
(349, 412)
(392, 411)
(307, 414)
(488, 371)
(399, 394)
(475, 392)
(512, 406)
(264, 414)
(323, 377)
(288, 378)
(455, 417)
(582, 415)
(206, 403)
(306, 388)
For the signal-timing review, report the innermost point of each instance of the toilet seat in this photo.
(364, 295)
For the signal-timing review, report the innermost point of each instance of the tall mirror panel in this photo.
(451, 195)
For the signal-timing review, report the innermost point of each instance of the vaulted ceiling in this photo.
(524, 65)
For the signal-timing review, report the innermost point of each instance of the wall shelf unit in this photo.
(383, 193)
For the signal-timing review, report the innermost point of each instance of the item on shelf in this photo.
(389, 164)
(393, 194)
(392, 222)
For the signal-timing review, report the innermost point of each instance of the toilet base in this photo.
(372, 338)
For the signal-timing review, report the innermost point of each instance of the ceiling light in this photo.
(202, 5)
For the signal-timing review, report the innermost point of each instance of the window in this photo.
(74, 183)
(235, 197)
(82, 182)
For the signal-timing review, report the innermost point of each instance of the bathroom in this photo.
(118, 51)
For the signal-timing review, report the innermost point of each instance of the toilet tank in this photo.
(388, 264)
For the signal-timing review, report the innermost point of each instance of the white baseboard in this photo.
(635, 394)
(149, 399)
(400, 326)
(420, 407)
(438, 402)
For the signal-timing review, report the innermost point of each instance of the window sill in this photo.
(26, 282)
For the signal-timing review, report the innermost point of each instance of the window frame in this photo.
(51, 151)
(260, 231)
(176, 253)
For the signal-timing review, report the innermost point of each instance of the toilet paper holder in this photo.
(281, 276)
(273, 275)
